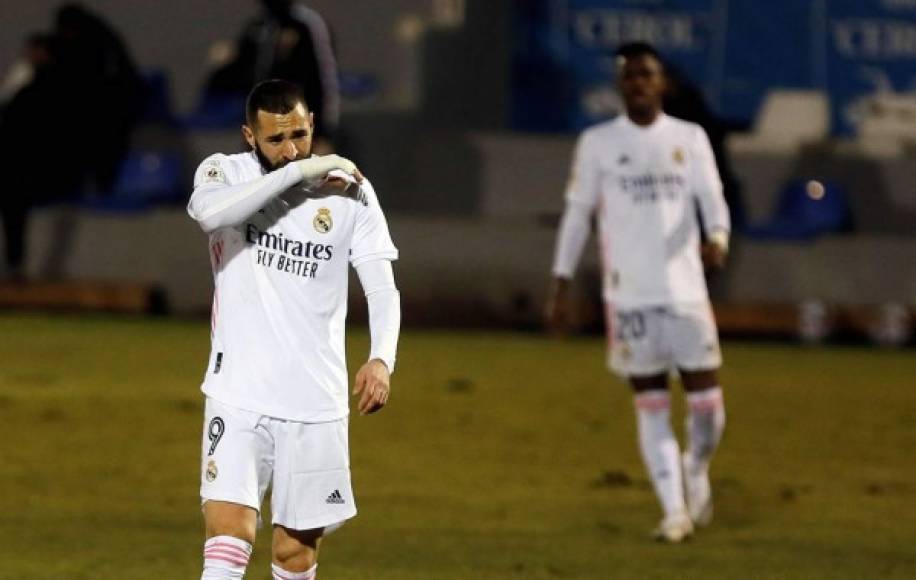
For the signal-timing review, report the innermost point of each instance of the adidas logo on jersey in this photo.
(335, 498)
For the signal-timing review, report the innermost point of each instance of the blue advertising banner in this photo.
(859, 51)
(768, 44)
(870, 59)
(564, 65)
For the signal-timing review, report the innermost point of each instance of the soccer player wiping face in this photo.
(278, 138)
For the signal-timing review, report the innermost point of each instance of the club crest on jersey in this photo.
(679, 156)
(323, 222)
(212, 472)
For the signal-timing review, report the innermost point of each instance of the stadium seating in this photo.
(886, 123)
(157, 102)
(806, 210)
(146, 178)
(786, 120)
(217, 111)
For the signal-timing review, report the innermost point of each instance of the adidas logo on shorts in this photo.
(335, 497)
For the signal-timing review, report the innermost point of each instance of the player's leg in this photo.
(698, 356)
(230, 536)
(312, 495)
(639, 353)
(704, 426)
(661, 454)
(295, 553)
(237, 459)
(13, 215)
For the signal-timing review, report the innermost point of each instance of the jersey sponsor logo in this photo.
(335, 498)
(651, 188)
(288, 255)
(289, 246)
(213, 173)
(323, 222)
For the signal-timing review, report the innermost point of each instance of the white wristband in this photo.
(719, 238)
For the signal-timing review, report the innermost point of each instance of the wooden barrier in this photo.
(117, 297)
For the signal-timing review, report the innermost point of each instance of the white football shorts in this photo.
(306, 464)
(647, 341)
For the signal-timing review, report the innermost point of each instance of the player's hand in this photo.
(713, 256)
(339, 183)
(558, 310)
(373, 385)
(317, 168)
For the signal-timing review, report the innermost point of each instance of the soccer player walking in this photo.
(644, 174)
(283, 226)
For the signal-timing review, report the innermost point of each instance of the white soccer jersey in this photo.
(646, 184)
(280, 296)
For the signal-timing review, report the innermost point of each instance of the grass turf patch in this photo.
(500, 455)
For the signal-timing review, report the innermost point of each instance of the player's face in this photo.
(280, 138)
(642, 84)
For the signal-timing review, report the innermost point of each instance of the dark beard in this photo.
(266, 165)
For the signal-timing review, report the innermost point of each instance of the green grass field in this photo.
(500, 455)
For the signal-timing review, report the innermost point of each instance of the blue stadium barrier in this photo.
(807, 209)
(217, 111)
(146, 178)
(358, 85)
(157, 102)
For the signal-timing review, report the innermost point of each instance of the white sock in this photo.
(281, 574)
(225, 558)
(660, 450)
(705, 423)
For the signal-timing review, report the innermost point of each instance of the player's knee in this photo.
(699, 380)
(296, 550)
(229, 519)
(646, 383)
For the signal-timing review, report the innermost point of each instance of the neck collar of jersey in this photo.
(658, 122)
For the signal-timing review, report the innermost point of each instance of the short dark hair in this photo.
(273, 96)
(634, 49)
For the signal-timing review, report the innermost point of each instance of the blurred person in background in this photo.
(643, 173)
(80, 83)
(31, 89)
(283, 227)
(34, 57)
(289, 41)
(684, 100)
(103, 83)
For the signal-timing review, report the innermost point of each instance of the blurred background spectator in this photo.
(290, 41)
(66, 129)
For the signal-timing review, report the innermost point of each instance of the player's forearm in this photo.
(219, 206)
(709, 191)
(574, 229)
(714, 211)
(384, 300)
